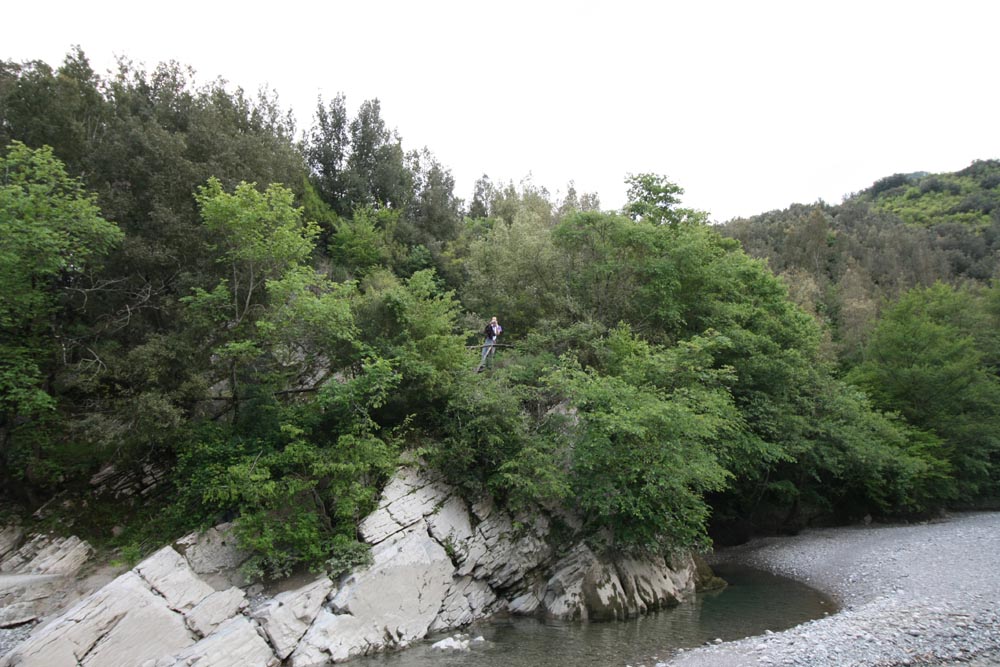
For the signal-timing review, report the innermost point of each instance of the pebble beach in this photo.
(918, 594)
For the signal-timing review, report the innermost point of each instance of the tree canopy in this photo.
(277, 321)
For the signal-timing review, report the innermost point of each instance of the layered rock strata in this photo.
(438, 563)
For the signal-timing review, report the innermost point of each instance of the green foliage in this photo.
(277, 347)
(260, 236)
(645, 450)
(967, 197)
(299, 476)
(927, 361)
(364, 242)
(655, 199)
(298, 491)
(51, 231)
(412, 323)
(498, 264)
(490, 444)
(53, 236)
(283, 518)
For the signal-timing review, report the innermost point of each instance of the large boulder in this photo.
(468, 600)
(387, 605)
(154, 610)
(651, 583)
(169, 574)
(38, 574)
(235, 644)
(287, 616)
(584, 587)
(215, 610)
(215, 556)
(124, 623)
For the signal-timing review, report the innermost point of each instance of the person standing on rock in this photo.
(492, 330)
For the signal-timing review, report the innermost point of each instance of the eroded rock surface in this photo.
(287, 616)
(124, 623)
(438, 563)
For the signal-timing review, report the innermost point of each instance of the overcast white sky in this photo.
(749, 106)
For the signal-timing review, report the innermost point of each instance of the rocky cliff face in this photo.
(438, 563)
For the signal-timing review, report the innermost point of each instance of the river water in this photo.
(753, 603)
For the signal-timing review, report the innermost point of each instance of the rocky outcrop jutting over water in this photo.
(438, 563)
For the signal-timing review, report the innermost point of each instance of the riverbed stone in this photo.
(287, 616)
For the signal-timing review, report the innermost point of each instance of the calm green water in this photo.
(753, 603)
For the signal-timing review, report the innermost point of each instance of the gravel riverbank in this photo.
(925, 594)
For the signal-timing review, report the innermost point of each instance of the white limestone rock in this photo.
(17, 613)
(123, 623)
(334, 638)
(468, 600)
(10, 540)
(287, 616)
(109, 481)
(235, 644)
(388, 605)
(169, 574)
(525, 604)
(408, 580)
(583, 587)
(48, 554)
(408, 498)
(214, 610)
(451, 525)
(63, 556)
(650, 584)
(501, 555)
(215, 555)
(436, 567)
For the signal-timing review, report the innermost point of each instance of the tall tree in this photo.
(377, 175)
(656, 199)
(53, 238)
(327, 151)
(923, 361)
(434, 209)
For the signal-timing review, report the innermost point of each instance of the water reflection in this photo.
(753, 603)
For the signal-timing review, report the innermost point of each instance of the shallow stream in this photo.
(753, 603)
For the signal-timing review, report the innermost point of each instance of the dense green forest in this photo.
(276, 317)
